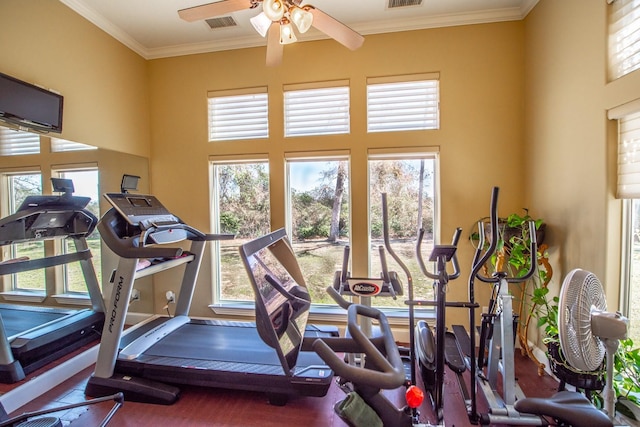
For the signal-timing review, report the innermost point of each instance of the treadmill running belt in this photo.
(19, 321)
(224, 344)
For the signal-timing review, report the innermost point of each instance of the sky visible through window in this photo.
(306, 175)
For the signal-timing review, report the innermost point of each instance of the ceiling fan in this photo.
(275, 22)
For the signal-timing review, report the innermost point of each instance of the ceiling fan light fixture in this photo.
(261, 23)
(301, 17)
(273, 9)
(287, 35)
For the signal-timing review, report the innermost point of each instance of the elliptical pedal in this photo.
(464, 342)
(453, 354)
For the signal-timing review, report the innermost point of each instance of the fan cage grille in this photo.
(582, 293)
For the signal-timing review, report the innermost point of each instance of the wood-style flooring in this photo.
(217, 407)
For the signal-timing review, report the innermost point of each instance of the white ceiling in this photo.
(153, 29)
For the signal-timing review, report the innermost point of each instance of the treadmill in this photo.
(32, 336)
(147, 364)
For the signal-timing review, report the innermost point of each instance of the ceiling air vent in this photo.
(403, 3)
(222, 22)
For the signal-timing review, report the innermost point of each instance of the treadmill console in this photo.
(143, 210)
(47, 217)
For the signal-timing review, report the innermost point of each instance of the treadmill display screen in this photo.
(139, 202)
(282, 300)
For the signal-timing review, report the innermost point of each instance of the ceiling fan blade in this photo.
(210, 10)
(336, 29)
(274, 48)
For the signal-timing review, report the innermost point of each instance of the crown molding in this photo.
(377, 27)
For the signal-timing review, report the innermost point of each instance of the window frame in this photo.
(316, 156)
(10, 284)
(409, 153)
(220, 305)
(60, 245)
(620, 28)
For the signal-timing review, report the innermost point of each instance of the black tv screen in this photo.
(30, 106)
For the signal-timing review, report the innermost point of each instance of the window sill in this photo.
(24, 296)
(72, 299)
(322, 313)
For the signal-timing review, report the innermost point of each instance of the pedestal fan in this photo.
(587, 330)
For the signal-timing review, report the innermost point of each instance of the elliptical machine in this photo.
(496, 336)
(433, 352)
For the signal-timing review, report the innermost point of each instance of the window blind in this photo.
(624, 37)
(242, 116)
(408, 105)
(17, 142)
(322, 111)
(629, 157)
(61, 145)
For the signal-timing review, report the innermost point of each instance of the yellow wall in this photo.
(570, 144)
(480, 138)
(523, 107)
(104, 84)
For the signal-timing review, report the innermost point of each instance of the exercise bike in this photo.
(497, 337)
(383, 369)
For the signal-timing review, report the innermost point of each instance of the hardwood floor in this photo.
(217, 407)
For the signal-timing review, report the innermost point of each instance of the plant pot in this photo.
(588, 381)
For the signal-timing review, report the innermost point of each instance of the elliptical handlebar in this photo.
(387, 242)
(479, 260)
(533, 250)
(454, 258)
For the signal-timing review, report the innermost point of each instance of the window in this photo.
(85, 182)
(17, 142)
(61, 145)
(318, 217)
(19, 186)
(238, 114)
(624, 37)
(240, 206)
(631, 266)
(409, 180)
(629, 189)
(408, 103)
(317, 110)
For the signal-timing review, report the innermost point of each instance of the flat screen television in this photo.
(30, 106)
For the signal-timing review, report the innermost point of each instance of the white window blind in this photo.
(399, 106)
(629, 157)
(320, 111)
(238, 116)
(17, 142)
(61, 145)
(624, 37)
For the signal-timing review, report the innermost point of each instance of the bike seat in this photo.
(567, 406)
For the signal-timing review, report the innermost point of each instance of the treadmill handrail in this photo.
(127, 247)
(136, 245)
(40, 263)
